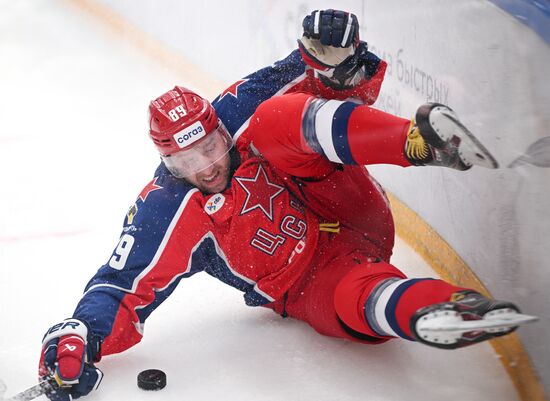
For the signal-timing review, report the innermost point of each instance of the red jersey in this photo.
(259, 235)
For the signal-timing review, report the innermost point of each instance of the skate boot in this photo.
(438, 138)
(468, 318)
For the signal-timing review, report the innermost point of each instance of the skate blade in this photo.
(493, 322)
(471, 150)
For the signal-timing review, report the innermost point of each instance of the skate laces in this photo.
(415, 146)
(457, 296)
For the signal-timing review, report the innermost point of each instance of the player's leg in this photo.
(319, 133)
(349, 133)
(311, 299)
(431, 311)
(371, 301)
(354, 199)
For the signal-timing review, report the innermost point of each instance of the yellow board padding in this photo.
(409, 226)
(443, 259)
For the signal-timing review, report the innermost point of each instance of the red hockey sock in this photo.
(393, 307)
(377, 299)
(354, 288)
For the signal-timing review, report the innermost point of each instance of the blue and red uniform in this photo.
(300, 204)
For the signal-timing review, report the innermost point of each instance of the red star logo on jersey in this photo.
(260, 193)
(152, 186)
(232, 90)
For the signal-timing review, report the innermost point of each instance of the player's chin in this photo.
(214, 183)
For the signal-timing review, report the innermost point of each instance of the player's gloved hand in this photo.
(332, 27)
(68, 353)
(330, 45)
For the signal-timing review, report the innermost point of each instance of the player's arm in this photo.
(331, 62)
(338, 63)
(152, 256)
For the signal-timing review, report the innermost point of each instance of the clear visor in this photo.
(201, 155)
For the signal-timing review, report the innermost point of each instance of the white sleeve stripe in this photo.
(347, 32)
(263, 294)
(316, 22)
(241, 129)
(323, 129)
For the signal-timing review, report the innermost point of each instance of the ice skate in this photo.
(438, 138)
(467, 319)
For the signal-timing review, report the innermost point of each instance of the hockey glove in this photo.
(68, 353)
(346, 73)
(330, 45)
(332, 28)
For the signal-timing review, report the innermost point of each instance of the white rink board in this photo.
(490, 68)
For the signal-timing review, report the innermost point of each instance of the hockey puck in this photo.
(151, 379)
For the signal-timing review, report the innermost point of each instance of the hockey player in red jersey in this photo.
(282, 208)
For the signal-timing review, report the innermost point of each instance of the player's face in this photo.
(206, 164)
(214, 178)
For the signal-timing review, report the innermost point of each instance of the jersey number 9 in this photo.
(122, 251)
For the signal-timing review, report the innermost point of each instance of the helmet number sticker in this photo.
(177, 112)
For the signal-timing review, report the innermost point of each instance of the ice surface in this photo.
(74, 154)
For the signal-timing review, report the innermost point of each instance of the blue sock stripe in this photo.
(392, 306)
(340, 132)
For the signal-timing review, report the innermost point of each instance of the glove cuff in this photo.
(65, 328)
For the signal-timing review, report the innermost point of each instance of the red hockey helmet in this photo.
(186, 131)
(176, 111)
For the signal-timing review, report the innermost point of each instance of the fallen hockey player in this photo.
(266, 190)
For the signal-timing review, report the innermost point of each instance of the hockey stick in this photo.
(44, 387)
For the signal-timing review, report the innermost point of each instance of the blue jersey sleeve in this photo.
(144, 268)
(236, 104)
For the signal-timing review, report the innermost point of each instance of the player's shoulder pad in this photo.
(236, 104)
(158, 202)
